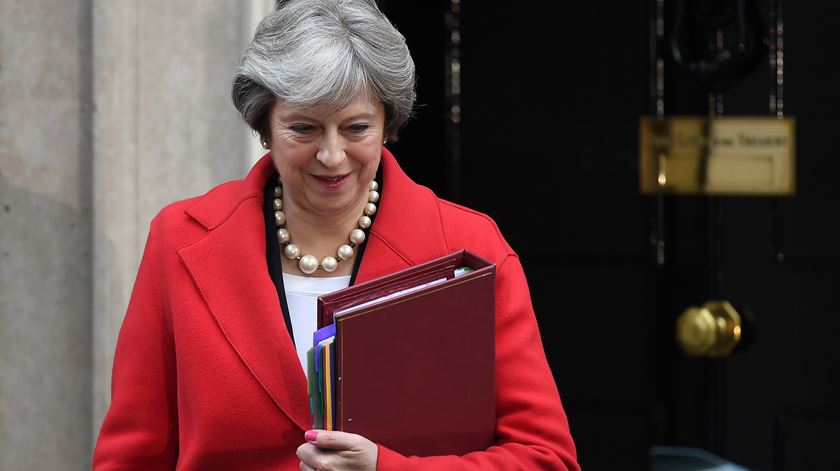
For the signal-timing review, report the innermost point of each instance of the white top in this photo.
(302, 298)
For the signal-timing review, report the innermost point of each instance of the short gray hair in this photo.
(314, 52)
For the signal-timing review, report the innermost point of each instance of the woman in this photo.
(208, 372)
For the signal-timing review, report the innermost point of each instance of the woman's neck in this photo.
(321, 235)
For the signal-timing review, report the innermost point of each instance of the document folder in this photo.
(415, 356)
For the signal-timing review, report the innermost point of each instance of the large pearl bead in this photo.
(278, 191)
(370, 209)
(291, 251)
(278, 204)
(279, 218)
(308, 264)
(329, 264)
(357, 236)
(373, 185)
(345, 252)
(282, 235)
(373, 196)
(364, 222)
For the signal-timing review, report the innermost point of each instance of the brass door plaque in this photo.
(725, 155)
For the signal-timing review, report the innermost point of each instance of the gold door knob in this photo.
(712, 330)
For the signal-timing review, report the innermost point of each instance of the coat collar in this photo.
(228, 267)
(408, 226)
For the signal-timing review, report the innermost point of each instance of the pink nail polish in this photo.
(311, 435)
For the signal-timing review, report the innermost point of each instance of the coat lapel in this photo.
(229, 269)
(407, 229)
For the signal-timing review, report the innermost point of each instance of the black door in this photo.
(545, 140)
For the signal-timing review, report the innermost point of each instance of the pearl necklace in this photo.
(309, 263)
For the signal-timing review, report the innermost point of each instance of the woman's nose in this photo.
(331, 150)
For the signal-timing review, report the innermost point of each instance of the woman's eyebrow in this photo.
(362, 115)
(292, 115)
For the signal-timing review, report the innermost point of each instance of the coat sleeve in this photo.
(140, 430)
(532, 432)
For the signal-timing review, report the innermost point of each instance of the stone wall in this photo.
(109, 110)
(45, 235)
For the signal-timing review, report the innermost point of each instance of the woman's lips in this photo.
(332, 181)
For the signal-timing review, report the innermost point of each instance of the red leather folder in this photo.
(415, 371)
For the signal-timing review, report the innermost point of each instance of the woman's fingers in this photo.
(332, 440)
(326, 449)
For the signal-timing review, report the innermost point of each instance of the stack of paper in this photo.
(321, 373)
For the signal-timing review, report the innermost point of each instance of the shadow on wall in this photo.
(45, 329)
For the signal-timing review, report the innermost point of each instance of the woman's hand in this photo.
(328, 450)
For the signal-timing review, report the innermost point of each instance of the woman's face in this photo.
(327, 160)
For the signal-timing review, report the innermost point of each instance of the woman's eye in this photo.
(302, 128)
(358, 128)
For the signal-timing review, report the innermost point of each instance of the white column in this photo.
(256, 10)
(117, 231)
(164, 129)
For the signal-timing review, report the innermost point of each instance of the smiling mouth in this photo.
(332, 180)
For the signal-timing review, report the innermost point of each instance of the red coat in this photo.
(206, 376)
